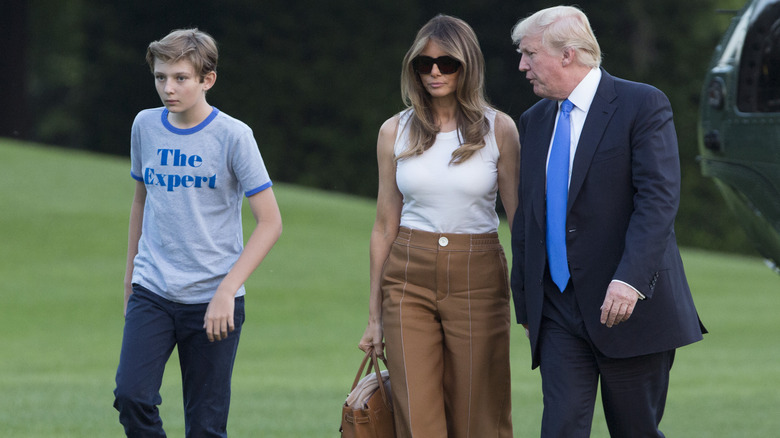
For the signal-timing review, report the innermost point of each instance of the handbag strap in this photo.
(374, 363)
(360, 370)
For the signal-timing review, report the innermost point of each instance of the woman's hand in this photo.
(373, 337)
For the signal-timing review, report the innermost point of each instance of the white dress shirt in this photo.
(582, 97)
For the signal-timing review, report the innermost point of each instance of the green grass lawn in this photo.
(63, 236)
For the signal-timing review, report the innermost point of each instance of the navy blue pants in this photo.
(633, 390)
(153, 326)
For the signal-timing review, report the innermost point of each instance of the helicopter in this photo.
(739, 124)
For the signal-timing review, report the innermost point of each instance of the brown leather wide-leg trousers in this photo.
(446, 326)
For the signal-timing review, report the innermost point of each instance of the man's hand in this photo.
(618, 304)
(219, 316)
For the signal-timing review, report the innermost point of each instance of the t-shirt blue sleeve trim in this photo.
(136, 177)
(259, 189)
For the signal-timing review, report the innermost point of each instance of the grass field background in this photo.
(63, 237)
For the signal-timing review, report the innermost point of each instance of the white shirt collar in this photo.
(583, 94)
(581, 97)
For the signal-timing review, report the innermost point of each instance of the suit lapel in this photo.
(601, 110)
(538, 140)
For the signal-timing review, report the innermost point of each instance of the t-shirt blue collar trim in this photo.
(188, 131)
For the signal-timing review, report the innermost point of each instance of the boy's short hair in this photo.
(192, 44)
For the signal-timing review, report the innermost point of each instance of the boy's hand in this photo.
(219, 316)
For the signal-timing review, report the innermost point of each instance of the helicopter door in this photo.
(759, 71)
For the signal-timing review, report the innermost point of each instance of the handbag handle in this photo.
(374, 363)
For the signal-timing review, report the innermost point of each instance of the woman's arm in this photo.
(508, 164)
(388, 217)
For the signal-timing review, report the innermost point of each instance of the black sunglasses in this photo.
(424, 64)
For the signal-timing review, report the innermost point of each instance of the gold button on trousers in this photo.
(446, 324)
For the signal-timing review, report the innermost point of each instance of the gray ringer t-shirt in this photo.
(195, 182)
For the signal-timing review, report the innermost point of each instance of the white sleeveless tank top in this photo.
(440, 197)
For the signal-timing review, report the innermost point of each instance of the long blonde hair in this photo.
(458, 40)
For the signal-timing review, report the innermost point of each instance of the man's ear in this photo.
(568, 56)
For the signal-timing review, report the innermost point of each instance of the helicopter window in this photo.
(759, 72)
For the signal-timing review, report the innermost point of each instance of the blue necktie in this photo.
(557, 196)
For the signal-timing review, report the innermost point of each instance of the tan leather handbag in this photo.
(368, 413)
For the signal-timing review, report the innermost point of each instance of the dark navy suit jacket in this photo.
(623, 199)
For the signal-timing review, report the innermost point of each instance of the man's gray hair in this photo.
(562, 27)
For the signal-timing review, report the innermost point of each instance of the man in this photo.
(597, 278)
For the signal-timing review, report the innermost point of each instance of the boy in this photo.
(185, 263)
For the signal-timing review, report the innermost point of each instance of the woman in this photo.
(439, 293)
